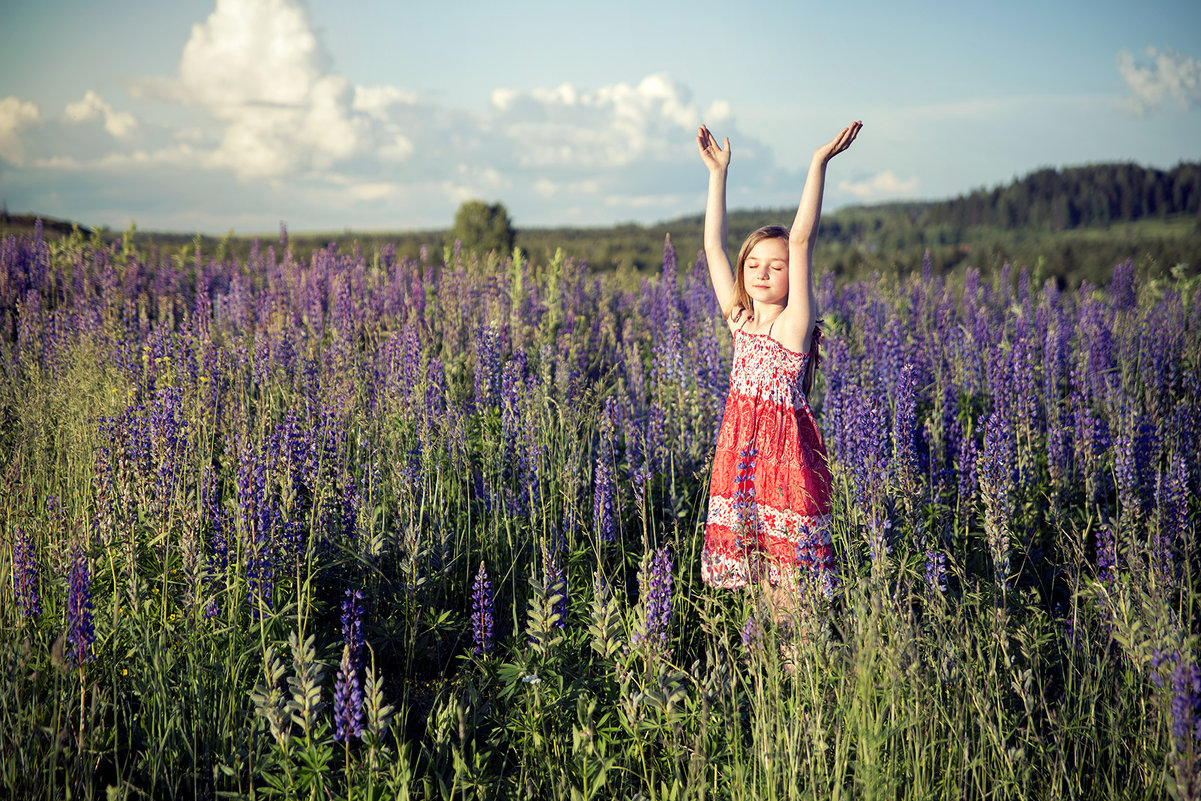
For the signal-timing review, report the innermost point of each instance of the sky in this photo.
(372, 116)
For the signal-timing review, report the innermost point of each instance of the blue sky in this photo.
(206, 116)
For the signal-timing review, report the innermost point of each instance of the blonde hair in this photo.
(743, 299)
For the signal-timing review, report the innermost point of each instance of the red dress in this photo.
(769, 498)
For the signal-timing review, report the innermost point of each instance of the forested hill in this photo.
(1073, 223)
(1074, 197)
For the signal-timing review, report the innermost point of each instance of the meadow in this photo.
(367, 526)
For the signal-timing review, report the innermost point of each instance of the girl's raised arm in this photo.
(801, 311)
(720, 272)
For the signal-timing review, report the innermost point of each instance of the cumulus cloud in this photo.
(15, 114)
(256, 98)
(118, 123)
(257, 66)
(1160, 76)
(881, 185)
(612, 126)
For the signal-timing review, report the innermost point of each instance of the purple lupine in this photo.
(868, 443)
(487, 367)
(603, 496)
(1186, 706)
(218, 561)
(25, 574)
(1171, 500)
(481, 611)
(995, 471)
(751, 632)
(655, 588)
(936, 570)
(744, 492)
(81, 634)
(348, 686)
(904, 428)
(815, 561)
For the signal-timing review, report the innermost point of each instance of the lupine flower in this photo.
(348, 688)
(655, 588)
(904, 429)
(1186, 706)
(481, 611)
(936, 570)
(25, 574)
(995, 471)
(81, 634)
(603, 498)
(751, 632)
(487, 367)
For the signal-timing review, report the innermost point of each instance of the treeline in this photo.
(1076, 197)
(1071, 224)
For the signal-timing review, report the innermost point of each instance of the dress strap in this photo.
(773, 322)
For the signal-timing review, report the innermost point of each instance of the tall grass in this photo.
(202, 459)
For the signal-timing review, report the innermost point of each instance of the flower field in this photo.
(355, 526)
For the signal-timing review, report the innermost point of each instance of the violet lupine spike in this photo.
(1186, 706)
(81, 633)
(751, 632)
(481, 611)
(348, 685)
(603, 498)
(25, 574)
(936, 570)
(655, 587)
(904, 427)
(996, 467)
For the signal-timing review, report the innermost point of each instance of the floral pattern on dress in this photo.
(769, 498)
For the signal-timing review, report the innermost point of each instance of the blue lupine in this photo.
(348, 686)
(655, 588)
(481, 611)
(81, 633)
(1186, 706)
(25, 574)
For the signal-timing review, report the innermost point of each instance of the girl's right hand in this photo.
(714, 157)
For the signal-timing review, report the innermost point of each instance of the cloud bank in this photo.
(1161, 76)
(257, 124)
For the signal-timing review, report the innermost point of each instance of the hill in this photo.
(1074, 224)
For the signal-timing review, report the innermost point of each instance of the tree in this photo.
(483, 227)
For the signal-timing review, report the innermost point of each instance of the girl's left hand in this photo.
(838, 143)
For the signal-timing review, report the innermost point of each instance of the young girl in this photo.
(769, 503)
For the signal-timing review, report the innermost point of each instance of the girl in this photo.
(769, 503)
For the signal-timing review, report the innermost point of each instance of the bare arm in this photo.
(718, 161)
(801, 311)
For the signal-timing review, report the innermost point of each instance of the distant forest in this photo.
(1071, 224)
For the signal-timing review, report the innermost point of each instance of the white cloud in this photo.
(118, 123)
(882, 184)
(613, 126)
(256, 98)
(15, 114)
(376, 101)
(258, 67)
(1162, 75)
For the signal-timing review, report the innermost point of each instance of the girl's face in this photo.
(765, 272)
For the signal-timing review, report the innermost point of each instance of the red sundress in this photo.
(769, 498)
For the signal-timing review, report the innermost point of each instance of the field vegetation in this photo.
(361, 525)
